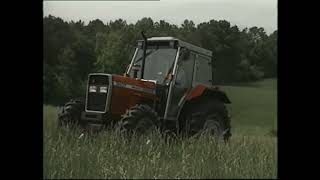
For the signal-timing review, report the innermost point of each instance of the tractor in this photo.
(168, 85)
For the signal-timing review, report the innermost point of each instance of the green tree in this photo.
(114, 54)
(224, 41)
(145, 24)
(72, 50)
(94, 27)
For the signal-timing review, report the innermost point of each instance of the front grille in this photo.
(97, 101)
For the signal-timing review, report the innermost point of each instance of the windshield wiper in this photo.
(147, 54)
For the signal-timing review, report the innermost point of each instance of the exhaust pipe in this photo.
(144, 53)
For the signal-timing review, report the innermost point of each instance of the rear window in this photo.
(203, 70)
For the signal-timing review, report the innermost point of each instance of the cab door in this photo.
(181, 83)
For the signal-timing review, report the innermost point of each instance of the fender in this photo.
(203, 91)
(208, 91)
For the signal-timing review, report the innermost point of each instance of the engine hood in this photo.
(140, 85)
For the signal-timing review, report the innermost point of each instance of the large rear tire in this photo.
(210, 116)
(139, 118)
(71, 113)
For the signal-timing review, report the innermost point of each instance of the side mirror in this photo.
(185, 54)
(136, 68)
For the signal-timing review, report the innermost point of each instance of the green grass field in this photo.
(251, 152)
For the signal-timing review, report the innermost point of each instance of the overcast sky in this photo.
(243, 13)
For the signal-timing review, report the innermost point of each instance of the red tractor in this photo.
(168, 85)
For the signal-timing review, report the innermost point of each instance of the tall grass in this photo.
(109, 155)
(254, 107)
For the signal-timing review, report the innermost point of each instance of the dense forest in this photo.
(73, 49)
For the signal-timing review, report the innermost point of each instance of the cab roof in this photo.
(183, 44)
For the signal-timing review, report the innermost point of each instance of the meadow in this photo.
(250, 153)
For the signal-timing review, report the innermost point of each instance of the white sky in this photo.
(243, 13)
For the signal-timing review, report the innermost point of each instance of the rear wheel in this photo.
(207, 117)
(139, 118)
(71, 113)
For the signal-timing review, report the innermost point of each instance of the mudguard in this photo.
(202, 91)
(208, 91)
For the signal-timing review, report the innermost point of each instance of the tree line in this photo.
(72, 50)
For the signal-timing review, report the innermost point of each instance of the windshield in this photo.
(158, 63)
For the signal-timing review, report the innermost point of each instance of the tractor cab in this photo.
(162, 54)
(174, 64)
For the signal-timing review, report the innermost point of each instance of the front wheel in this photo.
(71, 113)
(139, 118)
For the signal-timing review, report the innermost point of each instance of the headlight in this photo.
(103, 89)
(92, 89)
